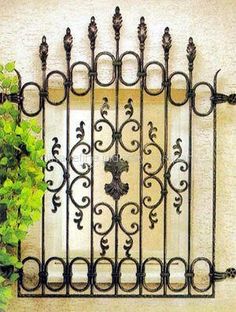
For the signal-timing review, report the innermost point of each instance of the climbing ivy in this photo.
(21, 181)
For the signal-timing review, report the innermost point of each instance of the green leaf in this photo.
(18, 130)
(1, 67)
(10, 238)
(14, 113)
(8, 183)
(34, 126)
(25, 125)
(3, 161)
(10, 66)
(23, 227)
(14, 89)
(36, 216)
(36, 129)
(7, 127)
(14, 277)
(2, 76)
(8, 106)
(6, 83)
(18, 265)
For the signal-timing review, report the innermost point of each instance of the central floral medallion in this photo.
(116, 166)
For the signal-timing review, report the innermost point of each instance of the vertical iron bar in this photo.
(68, 41)
(92, 34)
(117, 24)
(142, 35)
(18, 121)
(166, 43)
(43, 53)
(191, 54)
(214, 183)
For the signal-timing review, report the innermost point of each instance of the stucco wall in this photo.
(212, 25)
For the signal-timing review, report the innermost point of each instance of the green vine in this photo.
(21, 181)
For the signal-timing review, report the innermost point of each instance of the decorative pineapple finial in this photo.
(92, 32)
(142, 33)
(68, 41)
(166, 42)
(117, 23)
(191, 53)
(43, 52)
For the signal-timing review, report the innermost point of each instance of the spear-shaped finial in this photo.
(142, 32)
(92, 32)
(43, 52)
(117, 23)
(191, 53)
(166, 42)
(68, 41)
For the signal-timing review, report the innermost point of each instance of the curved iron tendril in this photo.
(116, 135)
(152, 175)
(86, 168)
(183, 184)
(134, 226)
(56, 200)
(98, 227)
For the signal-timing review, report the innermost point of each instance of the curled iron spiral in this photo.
(183, 184)
(56, 200)
(151, 175)
(81, 174)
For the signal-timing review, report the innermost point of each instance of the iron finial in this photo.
(166, 42)
(43, 52)
(142, 32)
(92, 32)
(68, 41)
(117, 22)
(191, 53)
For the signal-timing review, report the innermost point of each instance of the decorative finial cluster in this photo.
(92, 32)
(142, 32)
(166, 42)
(117, 23)
(68, 41)
(43, 52)
(229, 273)
(191, 53)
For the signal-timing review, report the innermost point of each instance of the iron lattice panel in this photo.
(116, 165)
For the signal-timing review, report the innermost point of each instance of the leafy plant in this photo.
(21, 181)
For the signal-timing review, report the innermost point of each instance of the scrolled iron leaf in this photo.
(92, 32)
(117, 22)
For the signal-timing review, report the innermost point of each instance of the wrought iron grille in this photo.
(133, 208)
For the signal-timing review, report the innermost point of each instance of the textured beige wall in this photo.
(212, 24)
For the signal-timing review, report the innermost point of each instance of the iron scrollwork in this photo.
(129, 111)
(183, 185)
(99, 209)
(56, 200)
(151, 175)
(81, 174)
(134, 226)
(98, 126)
(98, 226)
(116, 135)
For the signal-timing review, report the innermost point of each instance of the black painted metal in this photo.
(161, 174)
